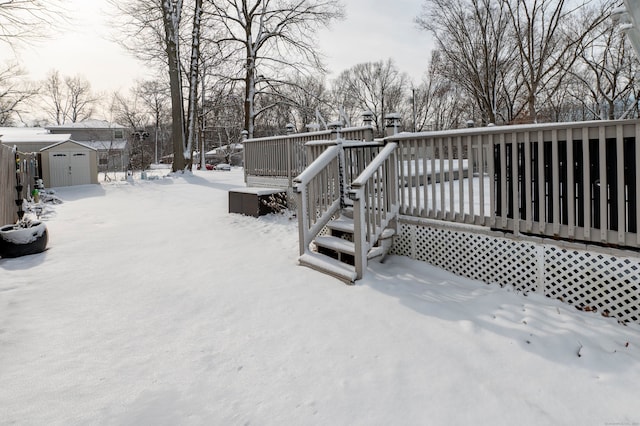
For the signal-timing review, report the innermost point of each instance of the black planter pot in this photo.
(16, 241)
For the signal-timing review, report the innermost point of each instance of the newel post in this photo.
(392, 124)
(290, 130)
(359, 232)
(335, 128)
(244, 135)
(367, 118)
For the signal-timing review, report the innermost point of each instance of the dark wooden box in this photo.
(257, 201)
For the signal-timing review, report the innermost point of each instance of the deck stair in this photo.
(346, 219)
(334, 251)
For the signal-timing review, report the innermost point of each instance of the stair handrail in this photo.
(375, 202)
(316, 210)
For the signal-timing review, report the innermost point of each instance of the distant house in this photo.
(92, 146)
(231, 153)
(109, 139)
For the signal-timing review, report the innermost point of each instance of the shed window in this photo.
(118, 134)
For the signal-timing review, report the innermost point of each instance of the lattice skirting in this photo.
(590, 278)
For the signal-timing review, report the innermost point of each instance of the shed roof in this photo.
(83, 145)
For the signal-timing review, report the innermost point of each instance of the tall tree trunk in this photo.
(194, 75)
(249, 98)
(171, 19)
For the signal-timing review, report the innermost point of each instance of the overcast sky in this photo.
(373, 30)
(377, 30)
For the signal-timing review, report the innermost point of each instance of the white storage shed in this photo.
(69, 163)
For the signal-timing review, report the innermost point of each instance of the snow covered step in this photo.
(342, 227)
(336, 244)
(329, 266)
(342, 224)
(337, 248)
(387, 233)
(382, 246)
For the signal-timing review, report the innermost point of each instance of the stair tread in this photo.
(335, 243)
(329, 266)
(343, 224)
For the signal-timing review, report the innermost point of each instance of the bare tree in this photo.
(268, 38)
(194, 81)
(15, 93)
(378, 87)
(81, 100)
(156, 100)
(155, 30)
(139, 28)
(130, 111)
(607, 71)
(54, 97)
(171, 16)
(24, 20)
(223, 112)
(473, 40)
(68, 99)
(439, 103)
(550, 36)
(307, 96)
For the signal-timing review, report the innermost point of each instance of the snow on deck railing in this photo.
(284, 157)
(318, 195)
(575, 181)
(278, 156)
(375, 203)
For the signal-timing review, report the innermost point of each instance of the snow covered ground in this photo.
(154, 306)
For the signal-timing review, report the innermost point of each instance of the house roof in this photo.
(84, 145)
(27, 137)
(22, 130)
(86, 124)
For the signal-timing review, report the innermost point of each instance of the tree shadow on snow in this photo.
(540, 325)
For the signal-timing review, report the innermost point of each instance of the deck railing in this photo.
(576, 181)
(277, 160)
(320, 193)
(374, 193)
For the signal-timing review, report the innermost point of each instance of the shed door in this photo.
(80, 168)
(59, 169)
(69, 168)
